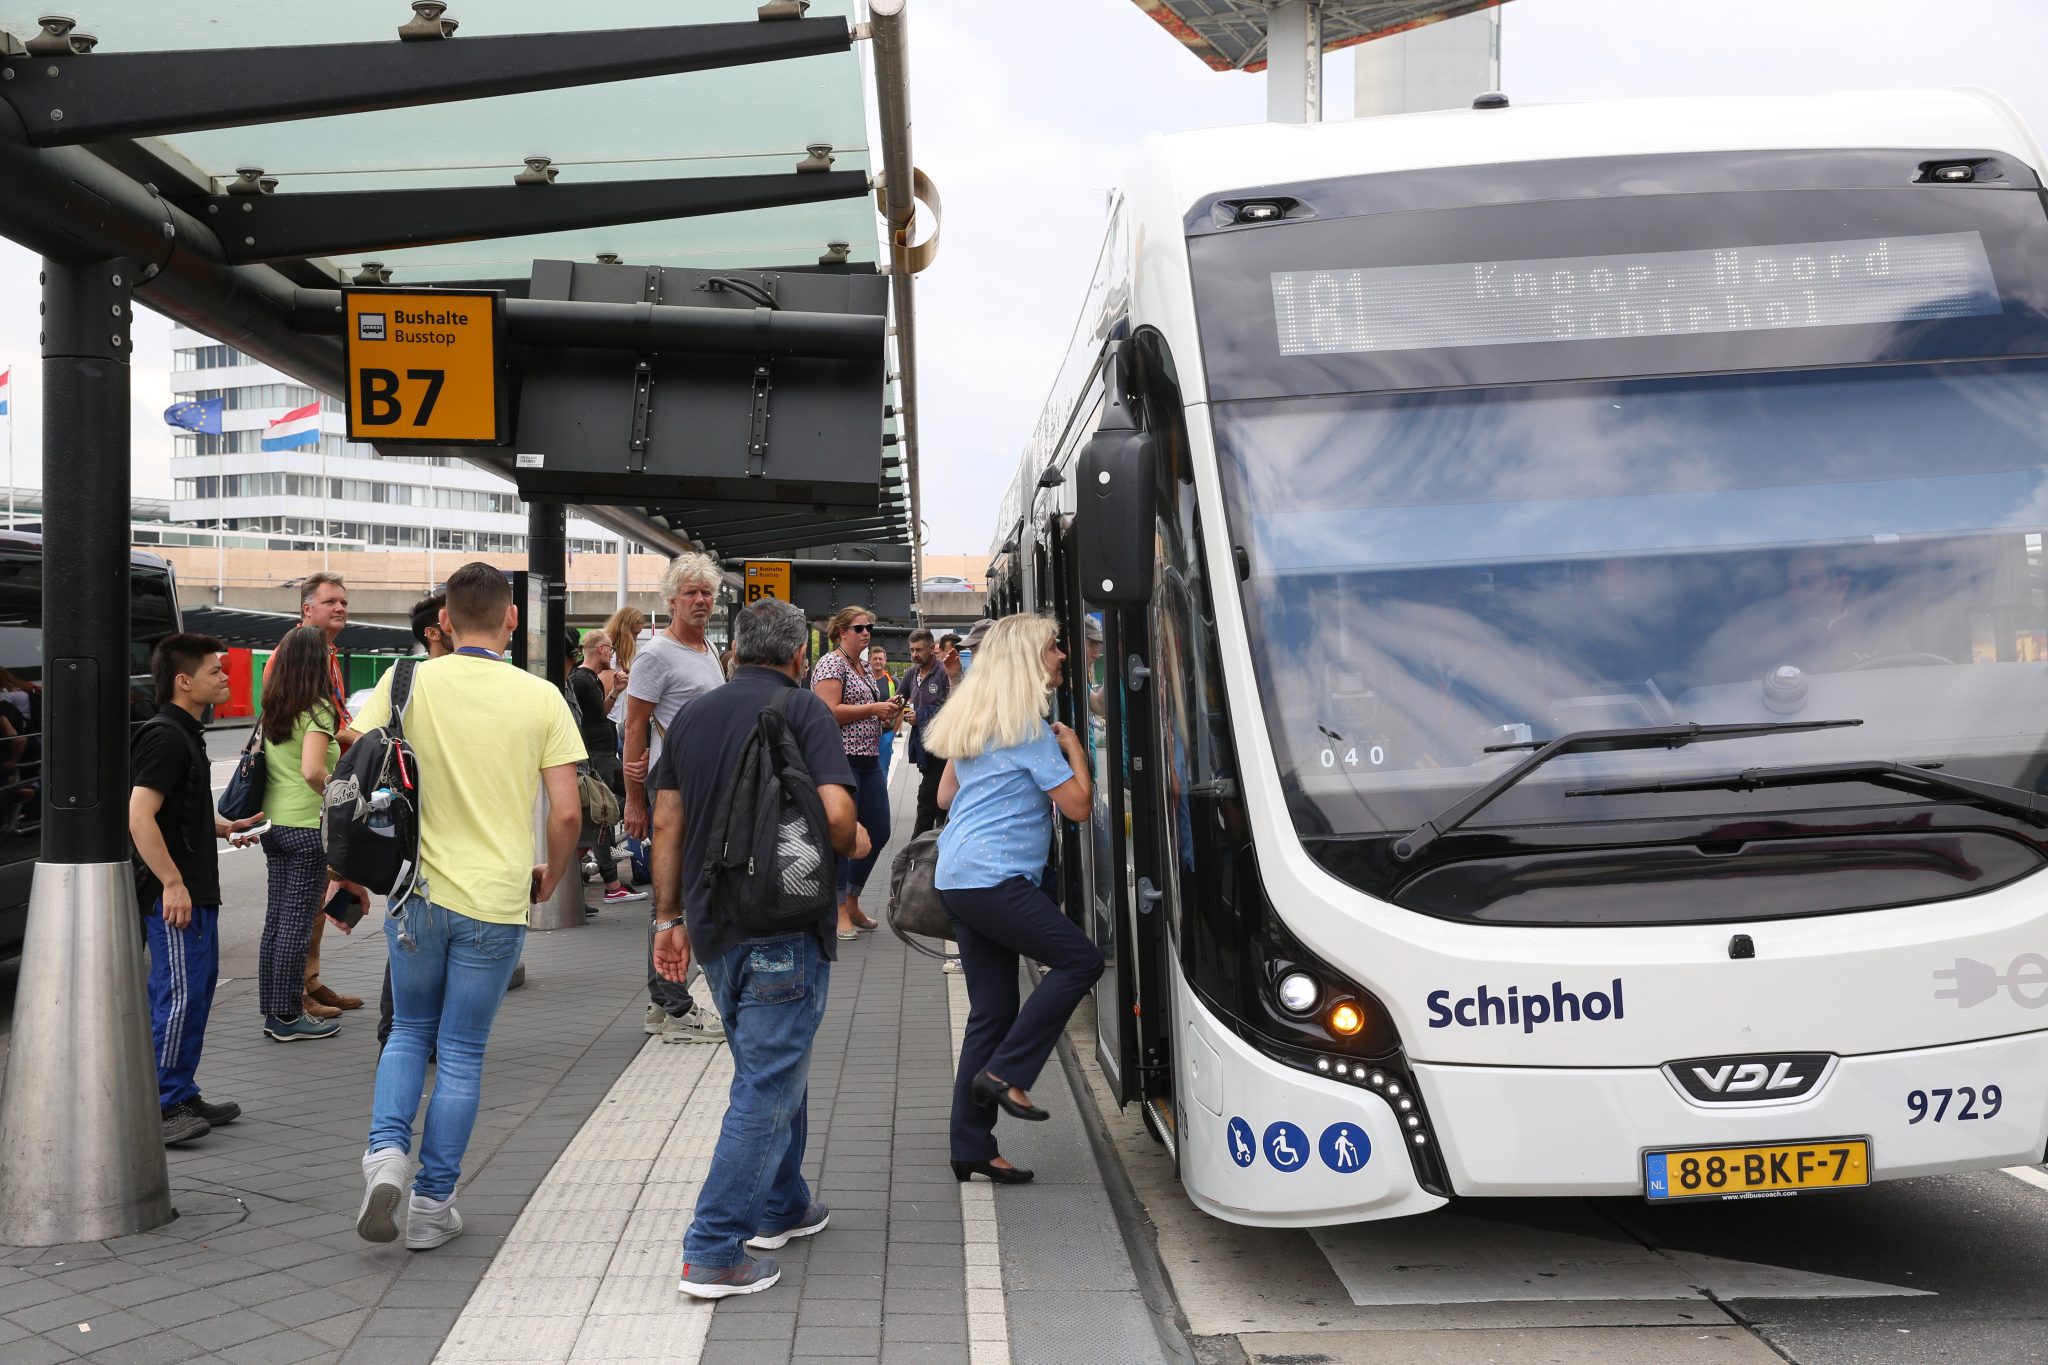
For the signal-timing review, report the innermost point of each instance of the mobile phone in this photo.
(344, 907)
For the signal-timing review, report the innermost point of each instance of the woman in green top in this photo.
(298, 724)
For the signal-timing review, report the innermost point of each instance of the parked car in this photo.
(153, 602)
(946, 583)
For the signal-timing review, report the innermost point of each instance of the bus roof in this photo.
(32, 543)
(1219, 159)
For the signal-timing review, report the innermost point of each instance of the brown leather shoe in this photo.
(326, 995)
(316, 1009)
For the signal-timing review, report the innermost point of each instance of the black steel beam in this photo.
(656, 327)
(822, 533)
(86, 345)
(71, 204)
(276, 227)
(64, 101)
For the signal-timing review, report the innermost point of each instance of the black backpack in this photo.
(370, 815)
(768, 861)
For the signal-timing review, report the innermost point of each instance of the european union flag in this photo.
(198, 414)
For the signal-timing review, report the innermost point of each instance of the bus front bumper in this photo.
(1520, 1131)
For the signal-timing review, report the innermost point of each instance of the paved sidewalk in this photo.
(580, 1180)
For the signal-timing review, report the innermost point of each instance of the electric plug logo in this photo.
(1974, 982)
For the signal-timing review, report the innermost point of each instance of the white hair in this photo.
(688, 568)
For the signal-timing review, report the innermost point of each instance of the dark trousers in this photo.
(871, 805)
(994, 926)
(298, 874)
(930, 769)
(600, 842)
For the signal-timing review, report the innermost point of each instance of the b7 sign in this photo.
(425, 366)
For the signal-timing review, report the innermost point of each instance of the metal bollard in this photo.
(564, 909)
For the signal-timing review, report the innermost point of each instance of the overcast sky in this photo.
(1026, 116)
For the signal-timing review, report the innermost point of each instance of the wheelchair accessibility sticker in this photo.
(1345, 1147)
(1286, 1146)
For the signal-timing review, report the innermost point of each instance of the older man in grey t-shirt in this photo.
(668, 676)
(674, 669)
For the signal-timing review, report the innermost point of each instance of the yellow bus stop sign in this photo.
(766, 578)
(425, 366)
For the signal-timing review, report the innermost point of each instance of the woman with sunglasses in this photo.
(841, 679)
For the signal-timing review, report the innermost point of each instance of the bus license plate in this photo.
(1754, 1172)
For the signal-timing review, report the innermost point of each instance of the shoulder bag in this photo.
(914, 904)
(248, 788)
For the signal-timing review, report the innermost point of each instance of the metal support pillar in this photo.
(1294, 62)
(81, 1143)
(547, 556)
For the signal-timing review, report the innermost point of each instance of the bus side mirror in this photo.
(1114, 519)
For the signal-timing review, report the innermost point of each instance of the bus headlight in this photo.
(1298, 993)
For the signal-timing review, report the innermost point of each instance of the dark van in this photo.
(153, 598)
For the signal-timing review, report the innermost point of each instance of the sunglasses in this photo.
(860, 630)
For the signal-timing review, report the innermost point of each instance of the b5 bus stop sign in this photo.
(425, 366)
(766, 578)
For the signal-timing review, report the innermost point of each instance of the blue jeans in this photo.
(771, 994)
(184, 967)
(445, 991)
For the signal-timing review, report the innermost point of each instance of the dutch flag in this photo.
(299, 427)
(6, 389)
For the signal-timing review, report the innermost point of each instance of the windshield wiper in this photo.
(1904, 777)
(1588, 742)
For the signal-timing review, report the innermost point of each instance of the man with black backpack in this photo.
(172, 823)
(753, 797)
(486, 738)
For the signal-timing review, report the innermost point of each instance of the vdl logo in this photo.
(1772, 1078)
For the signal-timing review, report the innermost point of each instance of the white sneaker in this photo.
(385, 1173)
(951, 964)
(430, 1223)
(698, 1026)
(656, 1023)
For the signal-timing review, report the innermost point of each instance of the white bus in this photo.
(1556, 601)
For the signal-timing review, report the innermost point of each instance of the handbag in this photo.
(914, 904)
(600, 806)
(247, 789)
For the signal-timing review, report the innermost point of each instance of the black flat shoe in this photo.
(988, 1090)
(963, 1171)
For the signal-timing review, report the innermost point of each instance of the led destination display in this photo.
(1659, 293)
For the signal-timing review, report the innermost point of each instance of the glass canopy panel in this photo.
(746, 120)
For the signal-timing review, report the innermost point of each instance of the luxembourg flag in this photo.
(6, 389)
(299, 427)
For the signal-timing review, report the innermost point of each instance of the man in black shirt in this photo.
(770, 991)
(172, 823)
(926, 687)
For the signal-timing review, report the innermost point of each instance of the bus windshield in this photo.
(1436, 573)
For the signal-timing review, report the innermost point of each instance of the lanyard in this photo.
(477, 652)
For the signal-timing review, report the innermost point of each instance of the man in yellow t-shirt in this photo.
(488, 737)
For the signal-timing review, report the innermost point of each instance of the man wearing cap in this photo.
(975, 635)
